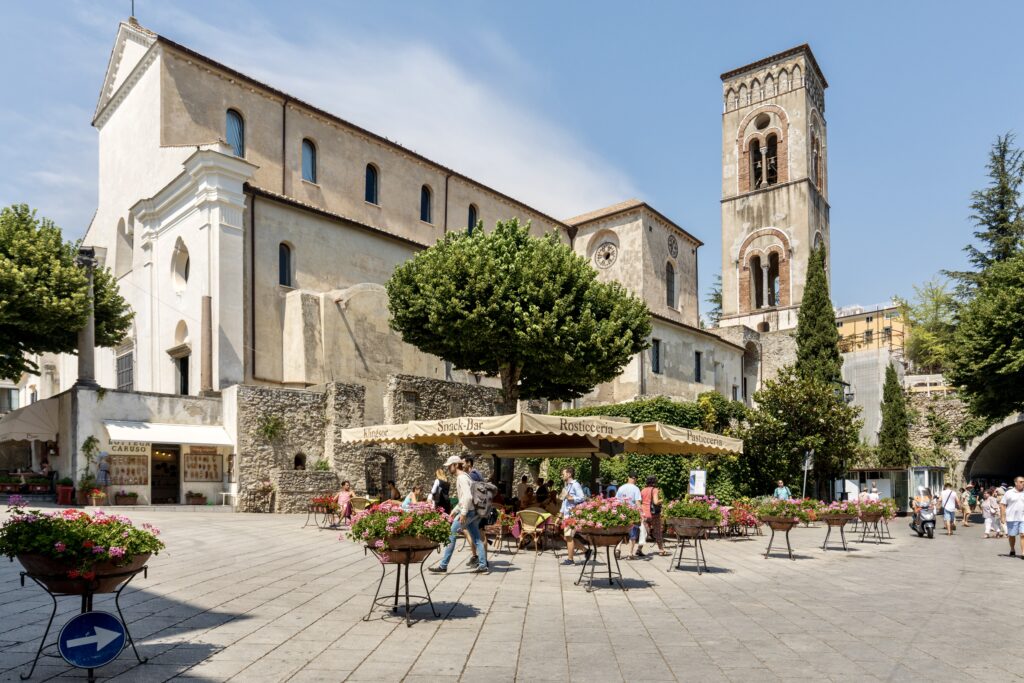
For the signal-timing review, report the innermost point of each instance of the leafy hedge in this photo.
(711, 412)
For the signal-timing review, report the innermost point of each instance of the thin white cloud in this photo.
(414, 94)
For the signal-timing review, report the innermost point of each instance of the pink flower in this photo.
(116, 552)
(60, 547)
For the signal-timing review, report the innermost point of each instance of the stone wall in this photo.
(294, 488)
(308, 419)
(778, 349)
(947, 407)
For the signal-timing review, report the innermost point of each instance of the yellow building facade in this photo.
(860, 329)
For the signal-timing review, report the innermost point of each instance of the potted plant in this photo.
(812, 507)
(97, 497)
(838, 512)
(195, 498)
(703, 512)
(71, 552)
(605, 521)
(781, 515)
(10, 485)
(86, 483)
(871, 511)
(326, 504)
(65, 491)
(387, 527)
(38, 485)
(126, 498)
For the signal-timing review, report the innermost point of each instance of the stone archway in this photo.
(998, 454)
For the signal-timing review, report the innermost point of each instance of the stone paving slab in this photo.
(250, 597)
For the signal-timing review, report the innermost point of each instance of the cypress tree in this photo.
(894, 435)
(817, 340)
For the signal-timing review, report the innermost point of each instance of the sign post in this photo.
(808, 465)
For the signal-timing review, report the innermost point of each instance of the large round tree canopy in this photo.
(524, 308)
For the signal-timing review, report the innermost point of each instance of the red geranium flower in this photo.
(73, 574)
(87, 544)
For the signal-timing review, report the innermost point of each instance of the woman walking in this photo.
(990, 511)
(650, 508)
(965, 508)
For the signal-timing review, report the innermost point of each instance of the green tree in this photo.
(710, 412)
(796, 413)
(894, 435)
(526, 309)
(986, 359)
(929, 321)
(714, 313)
(997, 212)
(817, 340)
(44, 294)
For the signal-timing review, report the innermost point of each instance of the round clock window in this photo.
(605, 255)
(673, 246)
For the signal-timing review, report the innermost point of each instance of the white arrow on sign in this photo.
(102, 637)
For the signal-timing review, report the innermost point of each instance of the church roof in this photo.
(294, 101)
(804, 49)
(623, 207)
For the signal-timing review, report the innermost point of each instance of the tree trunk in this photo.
(510, 375)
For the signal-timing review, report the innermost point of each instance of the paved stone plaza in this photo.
(259, 598)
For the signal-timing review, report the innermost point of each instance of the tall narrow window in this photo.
(371, 184)
(670, 286)
(182, 364)
(656, 356)
(771, 161)
(696, 366)
(284, 265)
(425, 208)
(308, 160)
(235, 129)
(472, 219)
(756, 165)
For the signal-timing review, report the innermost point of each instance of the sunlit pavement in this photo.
(259, 598)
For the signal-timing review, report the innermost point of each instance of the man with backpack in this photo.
(466, 518)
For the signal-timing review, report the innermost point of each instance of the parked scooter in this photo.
(923, 521)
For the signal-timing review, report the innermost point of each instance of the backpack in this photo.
(483, 494)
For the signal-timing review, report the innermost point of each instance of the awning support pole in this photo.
(595, 469)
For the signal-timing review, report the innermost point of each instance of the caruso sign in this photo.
(128, 448)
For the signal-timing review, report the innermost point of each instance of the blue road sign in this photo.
(91, 640)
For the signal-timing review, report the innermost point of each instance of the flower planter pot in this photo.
(54, 574)
(10, 488)
(609, 535)
(688, 522)
(837, 519)
(96, 501)
(195, 500)
(780, 523)
(402, 549)
(126, 500)
(65, 495)
(871, 517)
(38, 488)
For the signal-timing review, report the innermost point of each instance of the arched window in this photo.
(771, 161)
(769, 86)
(425, 207)
(744, 98)
(180, 263)
(471, 219)
(755, 91)
(670, 286)
(300, 461)
(756, 165)
(308, 160)
(798, 78)
(371, 184)
(757, 283)
(235, 129)
(815, 161)
(284, 264)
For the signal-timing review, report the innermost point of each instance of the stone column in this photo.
(206, 359)
(87, 335)
(764, 286)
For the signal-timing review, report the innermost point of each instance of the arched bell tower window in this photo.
(756, 165)
(772, 160)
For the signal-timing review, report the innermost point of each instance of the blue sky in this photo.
(574, 105)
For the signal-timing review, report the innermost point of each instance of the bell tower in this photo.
(774, 187)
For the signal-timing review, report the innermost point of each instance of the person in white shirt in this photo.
(874, 494)
(630, 493)
(949, 504)
(521, 487)
(1011, 509)
(466, 518)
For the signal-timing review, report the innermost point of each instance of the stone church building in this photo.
(252, 233)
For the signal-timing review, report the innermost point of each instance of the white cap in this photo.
(453, 460)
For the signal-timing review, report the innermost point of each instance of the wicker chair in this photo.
(359, 503)
(533, 524)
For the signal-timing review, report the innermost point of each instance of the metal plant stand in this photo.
(836, 524)
(609, 542)
(401, 559)
(872, 528)
(771, 540)
(87, 600)
(323, 517)
(698, 553)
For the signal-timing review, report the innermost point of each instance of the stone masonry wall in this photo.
(294, 488)
(947, 407)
